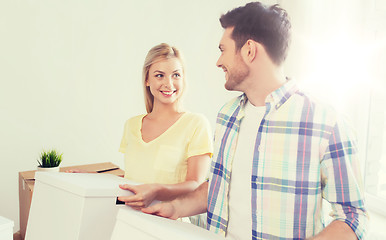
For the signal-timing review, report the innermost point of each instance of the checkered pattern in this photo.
(303, 153)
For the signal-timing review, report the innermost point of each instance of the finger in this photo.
(133, 198)
(128, 187)
(136, 208)
(135, 204)
(155, 209)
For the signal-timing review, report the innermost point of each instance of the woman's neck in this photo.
(161, 111)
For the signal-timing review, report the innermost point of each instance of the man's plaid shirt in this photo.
(303, 153)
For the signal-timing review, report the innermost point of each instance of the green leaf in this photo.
(50, 158)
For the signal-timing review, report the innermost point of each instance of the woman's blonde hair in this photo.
(158, 53)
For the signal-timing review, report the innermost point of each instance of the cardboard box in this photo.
(79, 206)
(131, 224)
(6, 228)
(27, 182)
(17, 236)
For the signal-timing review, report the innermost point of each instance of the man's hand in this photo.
(190, 204)
(336, 230)
(165, 209)
(143, 195)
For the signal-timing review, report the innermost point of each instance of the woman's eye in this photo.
(176, 75)
(159, 76)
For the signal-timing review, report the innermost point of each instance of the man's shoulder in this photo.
(321, 111)
(318, 103)
(232, 104)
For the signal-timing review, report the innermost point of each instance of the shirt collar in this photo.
(278, 97)
(275, 99)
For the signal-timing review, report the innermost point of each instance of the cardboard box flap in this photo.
(106, 167)
(97, 167)
(117, 172)
(28, 175)
(86, 184)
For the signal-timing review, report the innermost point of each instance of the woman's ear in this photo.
(147, 83)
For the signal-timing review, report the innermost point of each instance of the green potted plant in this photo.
(49, 160)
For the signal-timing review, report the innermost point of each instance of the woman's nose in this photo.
(168, 82)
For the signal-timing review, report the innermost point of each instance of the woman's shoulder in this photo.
(136, 118)
(197, 118)
(133, 121)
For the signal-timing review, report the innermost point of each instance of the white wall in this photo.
(70, 73)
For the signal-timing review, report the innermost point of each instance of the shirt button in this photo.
(260, 148)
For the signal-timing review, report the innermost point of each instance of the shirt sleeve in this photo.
(124, 141)
(341, 179)
(201, 141)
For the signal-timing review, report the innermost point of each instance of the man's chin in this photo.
(228, 86)
(232, 88)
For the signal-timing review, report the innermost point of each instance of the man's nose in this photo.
(219, 63)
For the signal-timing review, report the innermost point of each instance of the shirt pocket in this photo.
(168, 158)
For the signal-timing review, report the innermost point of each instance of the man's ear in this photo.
(250, 50)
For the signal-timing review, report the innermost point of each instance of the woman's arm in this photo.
(146, 193)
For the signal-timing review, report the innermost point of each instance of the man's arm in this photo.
(342, 185)
(144, 194)
(187, 205)
(336, 230)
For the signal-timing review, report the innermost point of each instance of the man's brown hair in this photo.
(267, 25)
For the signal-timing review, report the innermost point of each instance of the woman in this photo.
(167, 149)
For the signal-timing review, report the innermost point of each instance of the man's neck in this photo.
(259, 89)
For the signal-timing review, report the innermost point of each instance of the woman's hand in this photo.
(144, 195)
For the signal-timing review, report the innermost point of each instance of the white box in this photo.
(135, 225)
(27, 182)
(6, 228)
(76, 206)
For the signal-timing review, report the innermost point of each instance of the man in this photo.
(278, 152)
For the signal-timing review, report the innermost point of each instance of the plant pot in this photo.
(48, 169)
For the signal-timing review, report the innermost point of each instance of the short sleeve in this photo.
(124, 141)
(202, 140)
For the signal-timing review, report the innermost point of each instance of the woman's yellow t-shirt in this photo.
(164, 159)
